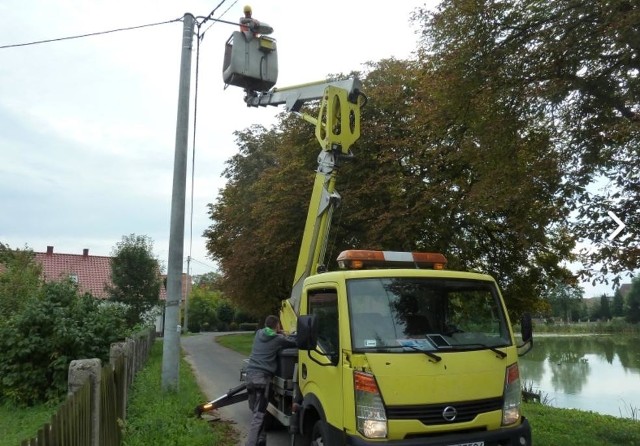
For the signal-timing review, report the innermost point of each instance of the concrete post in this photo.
(119, 350)
(172, 329)
(79, 371)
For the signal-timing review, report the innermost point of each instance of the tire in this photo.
(319, 434)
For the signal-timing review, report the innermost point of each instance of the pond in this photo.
(595, 373)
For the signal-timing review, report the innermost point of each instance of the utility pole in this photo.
(172, 329)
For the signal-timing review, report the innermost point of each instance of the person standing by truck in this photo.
(262, 365)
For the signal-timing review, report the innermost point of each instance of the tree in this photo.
(604, 311)
(565, 300)
(135, 274)
(568, 71)
(427, 175)
(617, 306)
(20, 280)
(633, 302)
(203, 303)
(210, 281)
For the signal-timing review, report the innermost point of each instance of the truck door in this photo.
(320, 375)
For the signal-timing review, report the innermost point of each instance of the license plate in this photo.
(473, 443)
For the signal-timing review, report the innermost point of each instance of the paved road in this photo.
(217, 370)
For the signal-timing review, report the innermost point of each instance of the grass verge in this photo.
(240, 343)
(551, 426)
(21, 423)
(157, 418)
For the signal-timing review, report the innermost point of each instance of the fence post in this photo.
(117, 350)
(79, 371)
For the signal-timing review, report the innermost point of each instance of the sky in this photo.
(88, 126)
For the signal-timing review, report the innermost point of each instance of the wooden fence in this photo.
(95, 407)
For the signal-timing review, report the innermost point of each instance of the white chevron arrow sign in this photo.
(620, 227)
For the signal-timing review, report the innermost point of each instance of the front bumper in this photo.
(513, 436)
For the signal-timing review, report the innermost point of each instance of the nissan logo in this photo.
(449, 413)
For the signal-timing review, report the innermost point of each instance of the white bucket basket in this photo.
(250, 62)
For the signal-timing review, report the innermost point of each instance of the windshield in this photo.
(426, 314)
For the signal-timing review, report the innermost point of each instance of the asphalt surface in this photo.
(217, 369)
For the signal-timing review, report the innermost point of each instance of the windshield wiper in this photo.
(433, 356)
(499, 353)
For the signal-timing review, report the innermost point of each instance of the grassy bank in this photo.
(20, 423)
(155, 418)
(551, 426)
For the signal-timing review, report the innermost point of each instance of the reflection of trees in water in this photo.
(570, 375)
(568, 364)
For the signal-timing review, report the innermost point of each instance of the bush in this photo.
(37, 344)
(248, 326)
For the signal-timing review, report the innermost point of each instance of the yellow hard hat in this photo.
(247, 8)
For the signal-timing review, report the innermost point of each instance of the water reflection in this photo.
(597, 373)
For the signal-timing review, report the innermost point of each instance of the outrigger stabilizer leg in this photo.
(235, 395)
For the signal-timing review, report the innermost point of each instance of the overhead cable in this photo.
(89, 34)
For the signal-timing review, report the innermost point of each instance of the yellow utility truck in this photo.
(393, 348)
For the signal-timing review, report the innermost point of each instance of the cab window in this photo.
(324, 304)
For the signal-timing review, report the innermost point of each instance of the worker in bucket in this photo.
(248, 24)
(260, 369)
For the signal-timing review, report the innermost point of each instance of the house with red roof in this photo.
(91, 273)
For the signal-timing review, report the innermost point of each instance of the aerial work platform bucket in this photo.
(250, 62)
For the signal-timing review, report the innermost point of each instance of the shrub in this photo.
(37, 344)
(248, 326)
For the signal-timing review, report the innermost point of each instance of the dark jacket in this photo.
(264, 352)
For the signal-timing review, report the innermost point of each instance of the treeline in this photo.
(572, 307)
(209, 310)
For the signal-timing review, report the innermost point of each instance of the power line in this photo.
(202, 263)
(59, 39)
(218, 19)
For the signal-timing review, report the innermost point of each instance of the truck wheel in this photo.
(318, 434)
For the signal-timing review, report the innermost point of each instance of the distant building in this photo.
(91, 273)
(625, 288)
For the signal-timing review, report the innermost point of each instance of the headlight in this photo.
(512, 396)
(371, 417)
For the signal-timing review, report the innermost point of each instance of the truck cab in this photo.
(406, 356)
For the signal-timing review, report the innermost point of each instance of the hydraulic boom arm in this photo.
(337, 129)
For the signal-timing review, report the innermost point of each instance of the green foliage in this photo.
(158, 418)
(19, 280)
(225, 311)
(210, 281)
(37, 344)
(617, 306)
(565, 300)
(633, 302)
(135, 274)
(551, 426)
(561, 75)
(18, 423)
(202, 313)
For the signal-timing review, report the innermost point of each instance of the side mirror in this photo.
(526, 329)
(307, 332)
